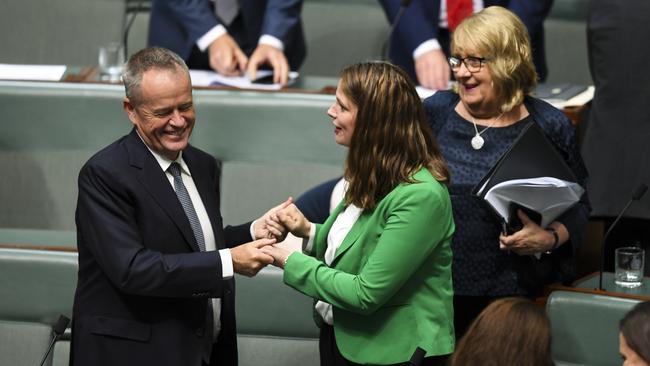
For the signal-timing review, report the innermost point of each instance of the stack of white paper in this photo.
(32, 72)
(550, 197)
(211, 78)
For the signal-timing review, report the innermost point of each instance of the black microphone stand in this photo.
(57, 330)
(638, 193)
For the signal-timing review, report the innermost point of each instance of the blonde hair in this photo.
(500, 36)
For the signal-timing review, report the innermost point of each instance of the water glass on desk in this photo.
(629, 267)
(111, 61)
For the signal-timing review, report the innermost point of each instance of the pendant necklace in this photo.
(477, 140)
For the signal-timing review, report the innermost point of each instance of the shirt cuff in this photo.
(206, 40)
(271, 41)
(226, 264)
(425, 47)
(308, 242)
(251, 230)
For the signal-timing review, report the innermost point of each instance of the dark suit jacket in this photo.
(420, 23)
(615, 146)
(177, 25)
(143, 286)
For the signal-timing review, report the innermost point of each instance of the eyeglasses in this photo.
(473, 64)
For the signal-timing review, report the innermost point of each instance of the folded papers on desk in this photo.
(533, 175)
(31, 72)
(564, 95)
(211, 78)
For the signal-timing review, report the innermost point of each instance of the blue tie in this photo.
(186, 202)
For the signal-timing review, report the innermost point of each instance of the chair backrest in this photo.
(35, 287)
(58, 32)
(585, 327)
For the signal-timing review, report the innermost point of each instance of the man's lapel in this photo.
(156, 183)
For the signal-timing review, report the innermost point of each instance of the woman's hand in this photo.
(264, 227)
(293, 220)
(278, 253)
(531, 239)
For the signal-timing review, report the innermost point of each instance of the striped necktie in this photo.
(186, 202)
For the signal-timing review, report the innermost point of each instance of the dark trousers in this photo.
(330, 355)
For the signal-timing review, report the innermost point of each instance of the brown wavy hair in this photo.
(391, 139)
(510, 331)
(635, 327)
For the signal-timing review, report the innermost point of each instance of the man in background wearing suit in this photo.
(223, 34)
(420, 42)
(155, 282)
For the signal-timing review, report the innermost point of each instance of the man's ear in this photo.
(129, 109)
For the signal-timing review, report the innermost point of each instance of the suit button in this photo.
(228, 292)
(199, 332)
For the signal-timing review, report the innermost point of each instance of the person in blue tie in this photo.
(155, 283)
(231, 37)
(420, 42)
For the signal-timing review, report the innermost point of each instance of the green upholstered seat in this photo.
(585, 327)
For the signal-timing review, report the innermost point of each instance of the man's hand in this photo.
(264, 227)
(266, 54)
(226, 57)
(432, 70)
(248, 259)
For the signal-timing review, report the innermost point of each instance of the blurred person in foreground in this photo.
(155, 283)
(510, 331)
(491, 59)
(380, 266)
(634, 336)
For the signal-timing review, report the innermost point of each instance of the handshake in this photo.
(270, 229)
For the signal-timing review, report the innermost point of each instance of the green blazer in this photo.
(390, 280)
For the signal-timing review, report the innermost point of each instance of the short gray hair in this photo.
(145, 60)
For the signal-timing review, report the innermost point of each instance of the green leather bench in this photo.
(585, 327)
(275, 324)
(272, 145)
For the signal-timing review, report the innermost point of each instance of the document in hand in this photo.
(533, 175)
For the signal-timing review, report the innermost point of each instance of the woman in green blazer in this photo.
(380, 266)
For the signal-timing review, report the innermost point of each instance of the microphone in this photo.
(127, 28)
(638, 193)
(57, 331)
(417, 357)
(386, 47)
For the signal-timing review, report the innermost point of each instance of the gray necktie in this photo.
(226, 10)
(186, 202)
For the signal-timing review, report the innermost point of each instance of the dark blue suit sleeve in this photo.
(418, 24)
(195, 17)
(315, 203)
(281, 17)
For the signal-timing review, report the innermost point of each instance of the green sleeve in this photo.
(418, 218)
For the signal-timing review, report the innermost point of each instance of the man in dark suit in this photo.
(155, 283)
(268, 31)
(420, 42)
(615, 145)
